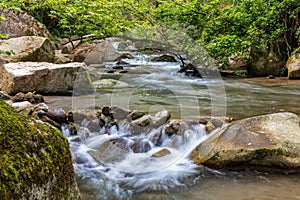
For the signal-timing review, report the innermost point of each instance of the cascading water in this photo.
(136, 171)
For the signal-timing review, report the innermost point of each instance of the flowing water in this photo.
(174, 176)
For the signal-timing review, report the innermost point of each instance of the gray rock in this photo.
(20, 23)
(27, 48)
(271, 140)
(108, 152)
(160, 118)
(44, 78)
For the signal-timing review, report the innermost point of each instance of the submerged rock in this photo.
(109, 84)
(35, 159)
(271, 141)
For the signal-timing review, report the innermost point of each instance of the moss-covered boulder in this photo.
(293, 65)
(35, 159)
(270, 141)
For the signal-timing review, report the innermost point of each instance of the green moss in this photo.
(32, 155)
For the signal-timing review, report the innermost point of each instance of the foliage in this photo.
(223, 27)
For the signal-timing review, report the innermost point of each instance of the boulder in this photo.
(44, 78)
(265, 62)
(271, 141)
(96, 53)
(175, 126)
(293, 65)
(19, 23)
(108, 151)
(160, 118)
(27, 48)
(35, 159)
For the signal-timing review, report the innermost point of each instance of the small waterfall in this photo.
(138, 165)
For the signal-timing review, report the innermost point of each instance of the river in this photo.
(187, 98)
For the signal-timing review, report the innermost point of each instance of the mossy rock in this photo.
(35, 159)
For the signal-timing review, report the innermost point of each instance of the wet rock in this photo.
(163, 58)
(72, 128)
(271, 141)
(44, 78)
(27, 48)
(119, 113)
(293, 65)
(175, 126)
(161, 153)
(109, 83)
(135, 114)
(19, 23)
(142, 121)
(4, 95)
(108, 152)
(78, 116)
(141, 145)
(32, 98)
(160, 118)
(209, 127)
(156, 138)
(93, 125)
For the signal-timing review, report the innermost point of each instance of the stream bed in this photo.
(139, 176)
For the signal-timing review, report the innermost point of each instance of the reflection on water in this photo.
(192, 98)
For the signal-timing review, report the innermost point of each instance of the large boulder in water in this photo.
(20, 23)
(44, 78)
(293, 65)
(27, 48)
(271, 141)
(35, 159)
